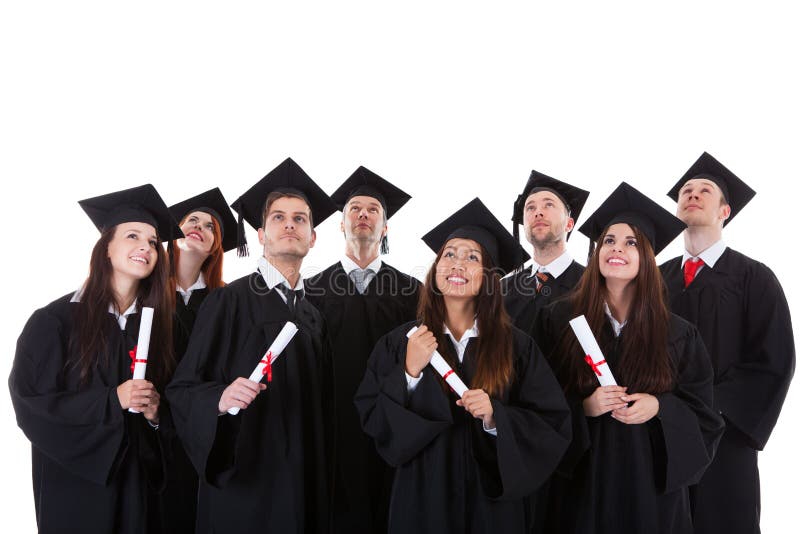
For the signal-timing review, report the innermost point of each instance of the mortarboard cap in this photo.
(137, 204)
(628, 205)
(737, 193)
(475, 221)
(573, 197)
(213, 203)
(286, 177)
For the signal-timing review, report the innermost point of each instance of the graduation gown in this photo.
(742, 315)
(265, 468)
(356, 322)
(522, 301)
(634, 478)
(92, 460)
(177, 503)
(452, 476)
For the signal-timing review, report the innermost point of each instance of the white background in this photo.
(447, 99)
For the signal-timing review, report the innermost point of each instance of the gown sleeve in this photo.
(401, 423)
(197, 385)
(750, 393)
(689, 426)
(83, 430)
(533, 429)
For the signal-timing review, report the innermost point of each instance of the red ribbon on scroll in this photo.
(588, 359)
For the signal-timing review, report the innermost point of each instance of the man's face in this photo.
(287, 229)
(700, 203)
(545, 219)
(363, 220)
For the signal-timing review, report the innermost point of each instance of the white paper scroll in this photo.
(594, 356)
(284, 337)
(444, 369)
(142, 346)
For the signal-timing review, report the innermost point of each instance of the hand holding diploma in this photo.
(242, 394)
(421, 340)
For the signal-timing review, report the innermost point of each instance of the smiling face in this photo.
(459, 271)
(363, 220)
(545, 219)
(287, 231)
(701, 203)
(618, 253)
(198, 231)
(132, 250)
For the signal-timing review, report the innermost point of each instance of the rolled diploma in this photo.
(284, 337)
(442, 367)
(592, 350)
(142, 346)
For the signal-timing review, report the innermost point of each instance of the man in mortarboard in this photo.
(361, 298)
(265, 468)
(547, 209)
(741, 312)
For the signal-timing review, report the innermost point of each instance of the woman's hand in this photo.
(478, 403)
(604, 399)
(644, 408)
(150, 411)
(420, 349)
(136, 394)
(239, 394)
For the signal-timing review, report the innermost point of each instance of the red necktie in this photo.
(541, 278)
(690, 270)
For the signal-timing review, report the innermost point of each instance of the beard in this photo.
(546, 241)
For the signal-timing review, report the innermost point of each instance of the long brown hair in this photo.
(212, 266)
(89, 341)
(495, 362)
(644, 364)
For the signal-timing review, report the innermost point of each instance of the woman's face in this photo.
(618, 253)
(198, 231)
(132, 251)
(459, 272)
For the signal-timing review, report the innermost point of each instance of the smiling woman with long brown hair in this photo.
(464, 465)
(637, 445)
(71, 381)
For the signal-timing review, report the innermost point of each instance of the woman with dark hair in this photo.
(209, 230)
(637, 445)
(464, 465)
(71, 380)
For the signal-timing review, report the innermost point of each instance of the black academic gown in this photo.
(356, 322)
(265, 468)
(452, 476)
(742, 315)
(92, 460)
(523, 302)
(177, 503)
(634, 478)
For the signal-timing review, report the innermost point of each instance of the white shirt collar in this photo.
(614, 323)
(349, 265)
(710, 256)
(555, 267)
(187, 293)
(122, 319)
(273, 276)
(461, 344)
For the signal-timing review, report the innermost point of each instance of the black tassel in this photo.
(241, 240)
(384, 245)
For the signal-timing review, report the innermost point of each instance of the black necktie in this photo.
(291, 295)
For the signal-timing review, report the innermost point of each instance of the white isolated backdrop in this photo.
(450, 100)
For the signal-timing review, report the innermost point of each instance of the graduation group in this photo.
(353, 427)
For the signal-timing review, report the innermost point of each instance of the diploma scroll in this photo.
(444, 369)
(265, 365)
(140, 352)
(594, 356)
